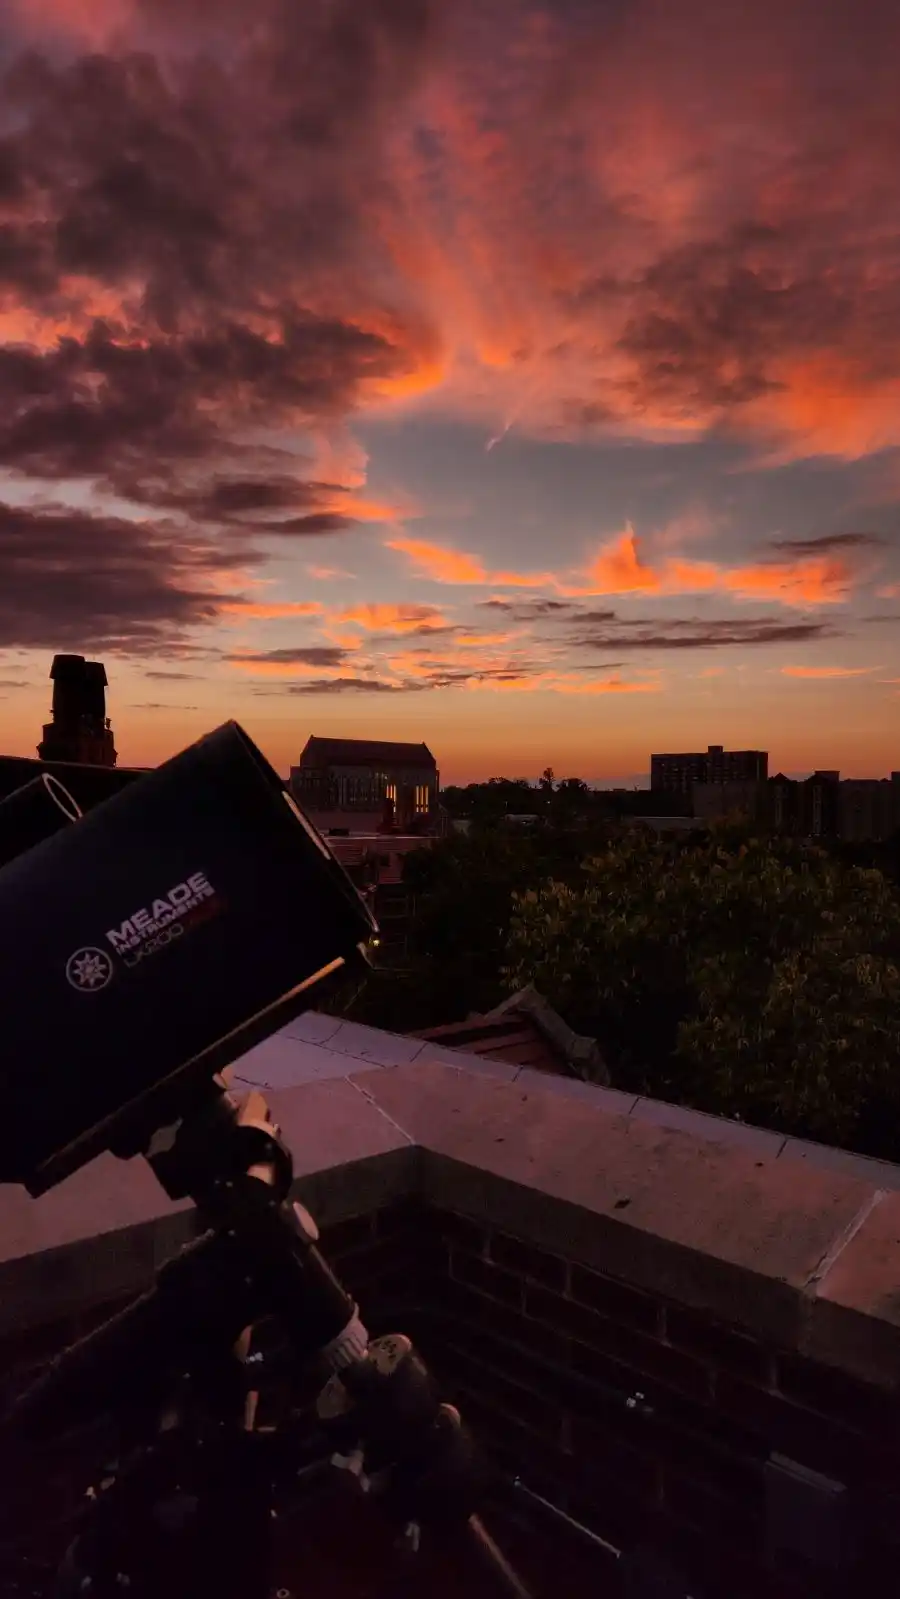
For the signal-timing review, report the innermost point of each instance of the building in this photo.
(80, 730)
(677, 774)
(523, 1030)
(714, 801)
(667, 826)
(856, 810)
(367, 786)
(869, 809)
(807, 808)
(374, 862)
(804, 809)
(78, 746)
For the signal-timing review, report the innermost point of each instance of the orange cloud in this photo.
(362, 510)
(392, 618)
(442, 565)
(258, 667)
(610, 685)
(818, 581)
(620, 568)
(262, 611)
(830, 405)
(827, 671)
(554, 683)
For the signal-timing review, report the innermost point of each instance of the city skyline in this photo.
(523, 378)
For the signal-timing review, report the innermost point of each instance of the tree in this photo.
(484, 804)
(463, 889)
(741, 976)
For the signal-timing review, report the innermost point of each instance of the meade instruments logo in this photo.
(151, 928)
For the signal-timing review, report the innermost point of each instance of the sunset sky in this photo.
(519, 376)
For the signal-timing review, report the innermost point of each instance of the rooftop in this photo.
(319, 752)
(523, 1031)
(668, 1324)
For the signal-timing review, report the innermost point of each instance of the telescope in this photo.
(143, 948)
(146, 947)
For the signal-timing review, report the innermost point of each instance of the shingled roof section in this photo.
(524, 1031)
(364, 752)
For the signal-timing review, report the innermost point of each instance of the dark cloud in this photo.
(313, 655)
(424, 630)
(696, 634)
(706, 322)
(152, 705)
(824, 543)
(71, 580)
(458, 676)
(169, 677)
(529, 610)
(14, 682)
(352, 685)
(115, 404)
(258, 504)
(436, 678)
(188, 229)
(311, 526)
(710, 323)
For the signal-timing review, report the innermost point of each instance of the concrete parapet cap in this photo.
(790, 1253)
(800, 1256)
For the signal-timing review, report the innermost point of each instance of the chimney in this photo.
(80, 730)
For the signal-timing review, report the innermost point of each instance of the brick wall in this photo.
(391, 1261)
(543, 1356)
(552, 1257)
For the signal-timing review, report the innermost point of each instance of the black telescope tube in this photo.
(32, 813)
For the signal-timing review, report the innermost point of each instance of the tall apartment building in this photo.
(857, 810)
(869, 809)
(677, 774)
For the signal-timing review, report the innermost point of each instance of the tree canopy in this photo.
(751, 977)
(746, 975)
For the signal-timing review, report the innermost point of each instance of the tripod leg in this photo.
(507, 1580)
(234, 1524)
